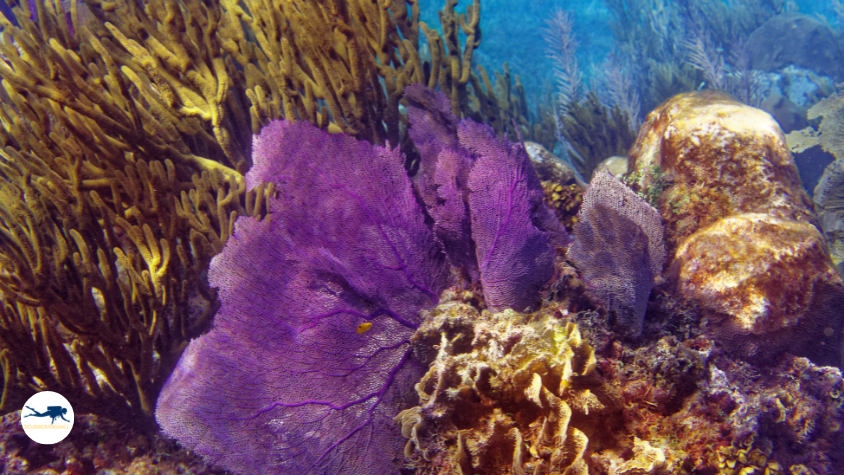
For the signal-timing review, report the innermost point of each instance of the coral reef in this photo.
(548, 166)
(564, 201)
(504, 107)
(710, 413)
(563, 190)
(739, 228)
(194, 81)
(125, 130)
(618, 249)
(795, 39)
(489, 402)
(452, 65)
(504, 393)
(332, 254)
(616, 165)
(514, 232)
(341, 266)
(561, 48)
(651, 39)
(109, 219)
(828, 195)
(463, 169)
(98, 446)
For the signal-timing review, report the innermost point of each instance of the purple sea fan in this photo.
(485, 200)
(441, 181)
(618, 248)
(515, 233)
(292, 379)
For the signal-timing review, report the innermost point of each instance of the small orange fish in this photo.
(364, 327)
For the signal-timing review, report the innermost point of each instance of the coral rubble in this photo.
(739, 228)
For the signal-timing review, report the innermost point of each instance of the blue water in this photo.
(511, 33)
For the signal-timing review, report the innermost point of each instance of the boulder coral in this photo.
(740, 233)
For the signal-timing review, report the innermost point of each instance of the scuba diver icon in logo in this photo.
(47, 404)
(52, 412)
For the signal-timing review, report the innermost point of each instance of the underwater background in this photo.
(433, 237)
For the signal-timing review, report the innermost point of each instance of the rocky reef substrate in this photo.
(511, 393)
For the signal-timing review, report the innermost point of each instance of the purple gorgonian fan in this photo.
(619, 250)
(443, 175)
(515, 233)
(292, 379)
(485, 200)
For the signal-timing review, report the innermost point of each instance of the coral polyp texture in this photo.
(505, 393)
(739, 227)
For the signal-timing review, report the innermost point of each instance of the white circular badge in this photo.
(47, 417)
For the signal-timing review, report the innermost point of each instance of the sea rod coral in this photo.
(310, 355)
(107, 223)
